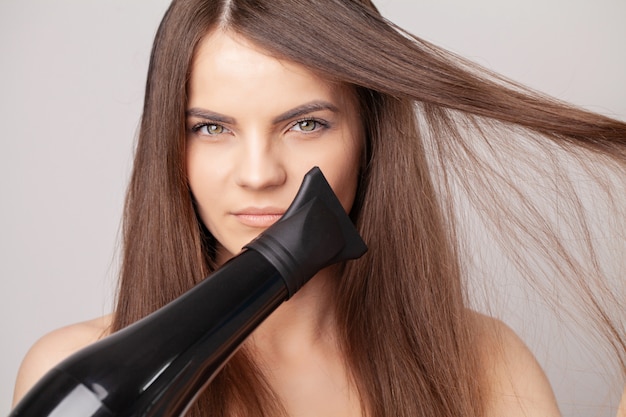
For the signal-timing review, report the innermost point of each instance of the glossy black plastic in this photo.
(156, 366)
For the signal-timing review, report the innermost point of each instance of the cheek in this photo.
(345, 188)
(203, 183)
(342, 172)
(194, 174)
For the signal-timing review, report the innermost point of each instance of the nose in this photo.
(259, 165)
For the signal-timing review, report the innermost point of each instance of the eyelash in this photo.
(318, 124)
(196, 128)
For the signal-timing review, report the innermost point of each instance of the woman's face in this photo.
(255, 126)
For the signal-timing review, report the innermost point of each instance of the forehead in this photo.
(226, 64)
(224, 48)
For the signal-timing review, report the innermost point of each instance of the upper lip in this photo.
(260, 211)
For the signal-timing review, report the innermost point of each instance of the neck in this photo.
(301, 323)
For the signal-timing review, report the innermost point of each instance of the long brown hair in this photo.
(430, 119)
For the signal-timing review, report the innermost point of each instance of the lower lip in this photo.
(258, 220)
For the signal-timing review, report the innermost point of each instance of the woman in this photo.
(241, 100)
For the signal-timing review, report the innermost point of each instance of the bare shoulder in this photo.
(518, 385)
(54, 347)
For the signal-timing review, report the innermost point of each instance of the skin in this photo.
(251, 145)
(247, 153)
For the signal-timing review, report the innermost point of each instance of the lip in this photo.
(259, 217)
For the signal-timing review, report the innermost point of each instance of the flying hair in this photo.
(446, 142)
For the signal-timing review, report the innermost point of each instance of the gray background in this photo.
(71, 85)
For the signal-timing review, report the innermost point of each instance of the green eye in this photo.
(212, 129)
(209, 129)
(307, 125)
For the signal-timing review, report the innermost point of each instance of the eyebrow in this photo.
(209, 115)
(313, 106)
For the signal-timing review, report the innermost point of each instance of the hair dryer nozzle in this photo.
(314, 232)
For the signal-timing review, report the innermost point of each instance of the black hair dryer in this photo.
(157, 366)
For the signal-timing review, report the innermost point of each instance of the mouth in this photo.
(259, 217)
